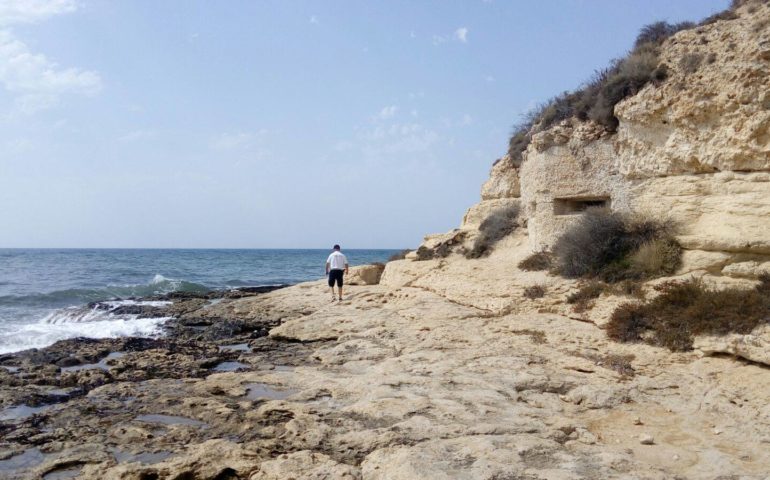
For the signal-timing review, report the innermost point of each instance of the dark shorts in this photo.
(336, 276)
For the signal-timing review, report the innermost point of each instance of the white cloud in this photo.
(489, 78)
(438, 40)
(397, 139)
(387, 112)
(32, 11)
(35, 81)
(237, 141)
(461, 34)
(137, 135)
(466, 120)
(314, 20)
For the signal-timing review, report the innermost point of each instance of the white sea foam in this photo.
(42, 334)
(143, 303)
(82, 322)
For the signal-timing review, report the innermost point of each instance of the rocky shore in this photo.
(405, 379)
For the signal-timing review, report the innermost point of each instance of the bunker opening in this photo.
(572, 206)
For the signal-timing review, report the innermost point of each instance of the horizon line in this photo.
(197, 248)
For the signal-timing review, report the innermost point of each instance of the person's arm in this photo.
(346, 265)
(327, 267)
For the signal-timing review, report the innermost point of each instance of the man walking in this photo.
(336, 268)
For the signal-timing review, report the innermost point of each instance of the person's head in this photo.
(336, 248)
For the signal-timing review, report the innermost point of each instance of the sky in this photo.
(277, 124)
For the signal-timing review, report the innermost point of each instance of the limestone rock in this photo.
(503, 181)
(750, 269)
(477, 213)
(305, 465)
(365, 274)
(754, 346)
(693, 260)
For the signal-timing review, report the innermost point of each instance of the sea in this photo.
(43, 292)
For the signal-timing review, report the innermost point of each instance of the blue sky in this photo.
(277, 124)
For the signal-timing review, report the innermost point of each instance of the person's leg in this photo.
(341, 277)
(331, 285)
(340, 291)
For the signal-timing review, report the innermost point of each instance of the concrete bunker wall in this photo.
(559, 183)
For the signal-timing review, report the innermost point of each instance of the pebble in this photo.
(638, 421)
(646, 439)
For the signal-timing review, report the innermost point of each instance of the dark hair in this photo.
(336, 247)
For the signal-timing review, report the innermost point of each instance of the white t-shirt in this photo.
(337, 261)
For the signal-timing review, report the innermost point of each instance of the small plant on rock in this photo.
(535, 291)
(537, 262)
(499, 224)
(583, 299)
(686, 309)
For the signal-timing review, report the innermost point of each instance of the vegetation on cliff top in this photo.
(596, 99)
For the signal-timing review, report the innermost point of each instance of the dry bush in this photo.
(425, 253)
(442, 249)
(686, 309)
(690, 62)
(627, 287)
(605, 245)
(582, 300)
(535, 335)
(537, 262)
(724, 15)
(399, 256)
(495, 227)
(619, 363)
(655, 33)
(657, 257)
(597, 97)
(535, 291)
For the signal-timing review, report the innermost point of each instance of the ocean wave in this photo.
(158, 285)
(44, 333)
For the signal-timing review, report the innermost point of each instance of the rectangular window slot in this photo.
(571, 206)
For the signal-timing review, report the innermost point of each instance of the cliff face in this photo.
(695, 148)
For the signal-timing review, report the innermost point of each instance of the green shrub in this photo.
(684, 310)
(495, 227)
(537, 262)
(534, 291)
(615, 247)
